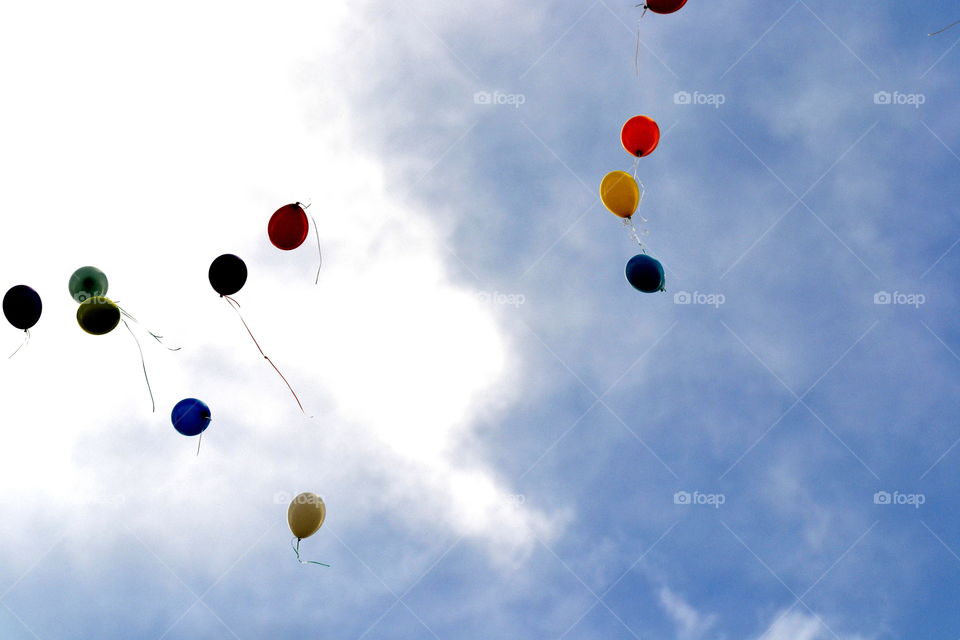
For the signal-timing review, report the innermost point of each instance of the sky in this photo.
(511, 442)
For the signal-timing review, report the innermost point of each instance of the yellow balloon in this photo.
(98, 316)
(620, 193)
(306, 515)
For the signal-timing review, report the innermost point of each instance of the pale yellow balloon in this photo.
(306, 515)
(620, 193)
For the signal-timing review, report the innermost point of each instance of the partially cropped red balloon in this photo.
(640, 136)
(288, 227)
(664, 6)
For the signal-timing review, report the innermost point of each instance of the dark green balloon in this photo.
(98, 316)
(88, 282)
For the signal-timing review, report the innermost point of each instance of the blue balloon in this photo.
(645, 274)
(191, 417)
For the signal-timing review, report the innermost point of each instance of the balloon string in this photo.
(950, 26)
(643, 188)
(632, 230)
(26, 339)
(236, 307)
(643, 192)
(153, 335)
(144, 363)
(198, 443)
(636, 58)
(317, 232)
(319, 250)
(296, 550)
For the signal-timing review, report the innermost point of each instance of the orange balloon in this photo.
(640, 136)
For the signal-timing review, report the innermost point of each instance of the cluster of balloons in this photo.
(98, 315)
(621, 194)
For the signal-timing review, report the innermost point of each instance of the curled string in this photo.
(636, 59)
(643, 189)
(26, 340)
(632, 230)
(317, 233)
(236, 307)
(296, 550)
(319, 250)
(144, 363)
(628, 222)
(949, 26)
(153, 335)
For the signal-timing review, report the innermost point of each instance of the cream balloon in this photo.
(306, 515)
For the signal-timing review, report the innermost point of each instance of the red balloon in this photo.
(288, 227)
(640, 136)
(664, 6)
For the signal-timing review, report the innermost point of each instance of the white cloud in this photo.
(796, 625)
(148, 143)
(690, 623)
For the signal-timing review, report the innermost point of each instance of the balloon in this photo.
(22, 307)
(98, 316)
(645, 274)
(664, 6)
(228, 274)
(288, 227)
(620, 193)
(88, 282)
(190, 417)
(640, 136)
(306, 514)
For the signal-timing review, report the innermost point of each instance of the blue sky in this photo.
(511, 441)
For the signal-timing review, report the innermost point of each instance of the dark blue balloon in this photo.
(22, 306)
(191, 417)
(645, 274)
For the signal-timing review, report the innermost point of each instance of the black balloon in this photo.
(645, 274)
(228, 274)
(22, 307)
